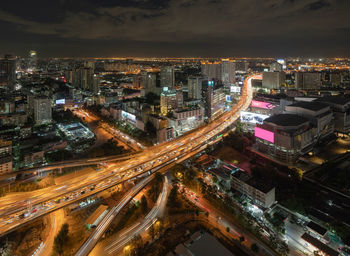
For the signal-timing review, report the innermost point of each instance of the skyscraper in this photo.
(170, 100)
(149, 84)
(308, 80)
(32, 60)
(195, 87)
(42, 110)
(212, 70)
(8, 72)
(84, 79)
(228, 72)
(273, 80)
(167, 77)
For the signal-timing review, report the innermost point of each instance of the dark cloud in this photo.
(179, 27)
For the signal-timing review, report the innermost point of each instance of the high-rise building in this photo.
(32, 60)
(228, 72)
(308, 80)
(170, 100)
(167, 77)
(149, 83)
(42, 110)
(8, 72)
(195, 87)
(84, 79)
(214, 101)
(241, 65)
(273, 80)
(211, 70)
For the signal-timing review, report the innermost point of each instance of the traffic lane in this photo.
(126, 235)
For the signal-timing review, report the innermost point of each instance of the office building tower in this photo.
(211, 70)
(148, 82)
(214, 101)
(195, 87)
(167, 77)
(228, 72)
(42, 110)
(273, 80)
(32, 60)
(308, 80)
(241, 66)
(170, 100)
(8, 72)
(83, 79)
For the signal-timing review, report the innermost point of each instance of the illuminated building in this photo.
(42, 110)
(5, 165)
(214, 101)
(320, 115)
(149, 84)
(211, 70)
(261, 193)
(308, 80)
(195, 87)
(228, 72)
(185, 120)
(167, 77)
(170, 100)
(273, 80)
(341, 112)
(32, 61)
(8, 72)
(84, 79)
(241, 66)
(285, 137)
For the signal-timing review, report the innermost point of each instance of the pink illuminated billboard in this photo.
(264, 134)
(262, 104)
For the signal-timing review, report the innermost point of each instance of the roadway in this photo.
(90, 243)
(216, 218)
(124, 138)
(115, 244)
(13, 207)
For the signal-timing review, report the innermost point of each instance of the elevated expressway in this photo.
(19, 208)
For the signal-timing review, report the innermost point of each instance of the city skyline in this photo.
(177, 28)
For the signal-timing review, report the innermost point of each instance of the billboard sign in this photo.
(235, 89)
(128, 116)
(60, 102)
(253, 118)
(264, 134)
(262, 104)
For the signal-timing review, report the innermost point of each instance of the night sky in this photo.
(176, 28)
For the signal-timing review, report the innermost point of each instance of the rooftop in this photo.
(286, 120)
(340, 100)
(315, 227)
(314, 106)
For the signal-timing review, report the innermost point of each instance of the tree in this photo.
(149, 127)
(152, 231)
(158, 177)
(254, 248)
(144, 205)
(61, 239)
(173, 200)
